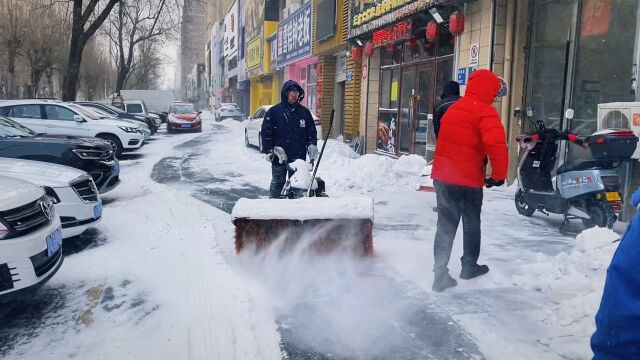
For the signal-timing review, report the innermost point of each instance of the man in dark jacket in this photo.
(288, 133)
(617, 333)
(471, 131)
(450, 94)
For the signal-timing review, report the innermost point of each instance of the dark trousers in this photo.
(455, 202)
(278, 179)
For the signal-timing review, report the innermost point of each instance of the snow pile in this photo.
(342, 169)
(574, 281)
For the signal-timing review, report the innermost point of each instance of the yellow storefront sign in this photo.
(254, 53)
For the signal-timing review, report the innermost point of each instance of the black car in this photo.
(92, 155)
(120, 114)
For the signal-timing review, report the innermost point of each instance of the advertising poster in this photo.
(254, 53)
(253, 18)
(386, 132)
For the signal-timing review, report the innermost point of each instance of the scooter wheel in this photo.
(522, 206)
(599, 216)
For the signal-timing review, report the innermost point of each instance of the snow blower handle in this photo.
(324, 143)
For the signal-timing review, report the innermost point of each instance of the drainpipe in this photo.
(492, 31)
(505, 112)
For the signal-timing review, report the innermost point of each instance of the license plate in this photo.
(185, 125)
(54, 241)
(97, 211)
(612, 196)
(116, 169)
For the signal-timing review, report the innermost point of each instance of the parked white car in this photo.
(30, 238)
(138, 107)
(103, 115)
(229, 111)
(72, 191)
(253, 127)
(49, 117)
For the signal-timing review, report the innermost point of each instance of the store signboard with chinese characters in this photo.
(368, 15)
(294, 36)
(230, 41)
(391, 34)
(254, 54)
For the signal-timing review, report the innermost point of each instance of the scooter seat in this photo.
(580, 165)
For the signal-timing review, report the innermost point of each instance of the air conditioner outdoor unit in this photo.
(620, 115)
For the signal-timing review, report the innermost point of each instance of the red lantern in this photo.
(433, 31)
(356, 53)
(456, 23)
(368, 48)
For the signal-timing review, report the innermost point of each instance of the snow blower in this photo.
(304, 213)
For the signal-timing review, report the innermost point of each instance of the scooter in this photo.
(586, 190)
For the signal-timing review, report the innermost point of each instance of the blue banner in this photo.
(294, 36)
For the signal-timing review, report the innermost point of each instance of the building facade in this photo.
(192, 39)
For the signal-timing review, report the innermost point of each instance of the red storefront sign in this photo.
(596, 17)
(399, 31)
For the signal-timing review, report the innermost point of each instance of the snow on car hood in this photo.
(17, 192)
(39, 173)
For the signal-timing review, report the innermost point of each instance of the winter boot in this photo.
(443, 281)
(470, 271)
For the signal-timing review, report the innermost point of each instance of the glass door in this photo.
(424, 110)
(407, 110)
(549, 62)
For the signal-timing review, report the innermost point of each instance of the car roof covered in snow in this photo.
(311, 208)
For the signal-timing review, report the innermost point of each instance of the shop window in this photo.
(446, 42)
(311, 88)
(391, 55)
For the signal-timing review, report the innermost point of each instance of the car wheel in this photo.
(246, 139)
(114, 141)
(260, 142)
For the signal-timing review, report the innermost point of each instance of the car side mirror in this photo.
(250, 118)
(569, 114)
(78, 118)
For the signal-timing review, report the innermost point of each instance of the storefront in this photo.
(414, 56)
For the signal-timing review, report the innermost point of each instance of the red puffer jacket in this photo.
(471, 130)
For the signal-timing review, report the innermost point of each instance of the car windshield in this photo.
(183, 109)
(88, 113)
(10, 129)
(134, 108)
(230, 106)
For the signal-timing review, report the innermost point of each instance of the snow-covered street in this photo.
(159, 278)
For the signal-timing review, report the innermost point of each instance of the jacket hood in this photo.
(483, 85)
(286, 87)
(451, 88)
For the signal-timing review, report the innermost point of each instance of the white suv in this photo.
(72, 191)
(53, 117)
(30, 238)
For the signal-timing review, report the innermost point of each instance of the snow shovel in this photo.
(311, 221)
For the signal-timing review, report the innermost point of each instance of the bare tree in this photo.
(12, 34)
(45, 40)
(147, 68)
(139, 25)
(80, 35)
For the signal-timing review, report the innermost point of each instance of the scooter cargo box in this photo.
(612, 144)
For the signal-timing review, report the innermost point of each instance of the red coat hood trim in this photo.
(483, 85)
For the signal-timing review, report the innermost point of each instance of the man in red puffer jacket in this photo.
(471, 131)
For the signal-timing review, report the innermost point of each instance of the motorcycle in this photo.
(584, 190)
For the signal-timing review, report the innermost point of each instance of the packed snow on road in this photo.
(159, 277)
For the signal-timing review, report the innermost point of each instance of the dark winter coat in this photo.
(471, 131)
(290, 126)
(617, 333)
(450, 94)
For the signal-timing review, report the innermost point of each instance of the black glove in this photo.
(489, 183)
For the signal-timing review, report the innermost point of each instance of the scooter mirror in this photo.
(569, 114)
